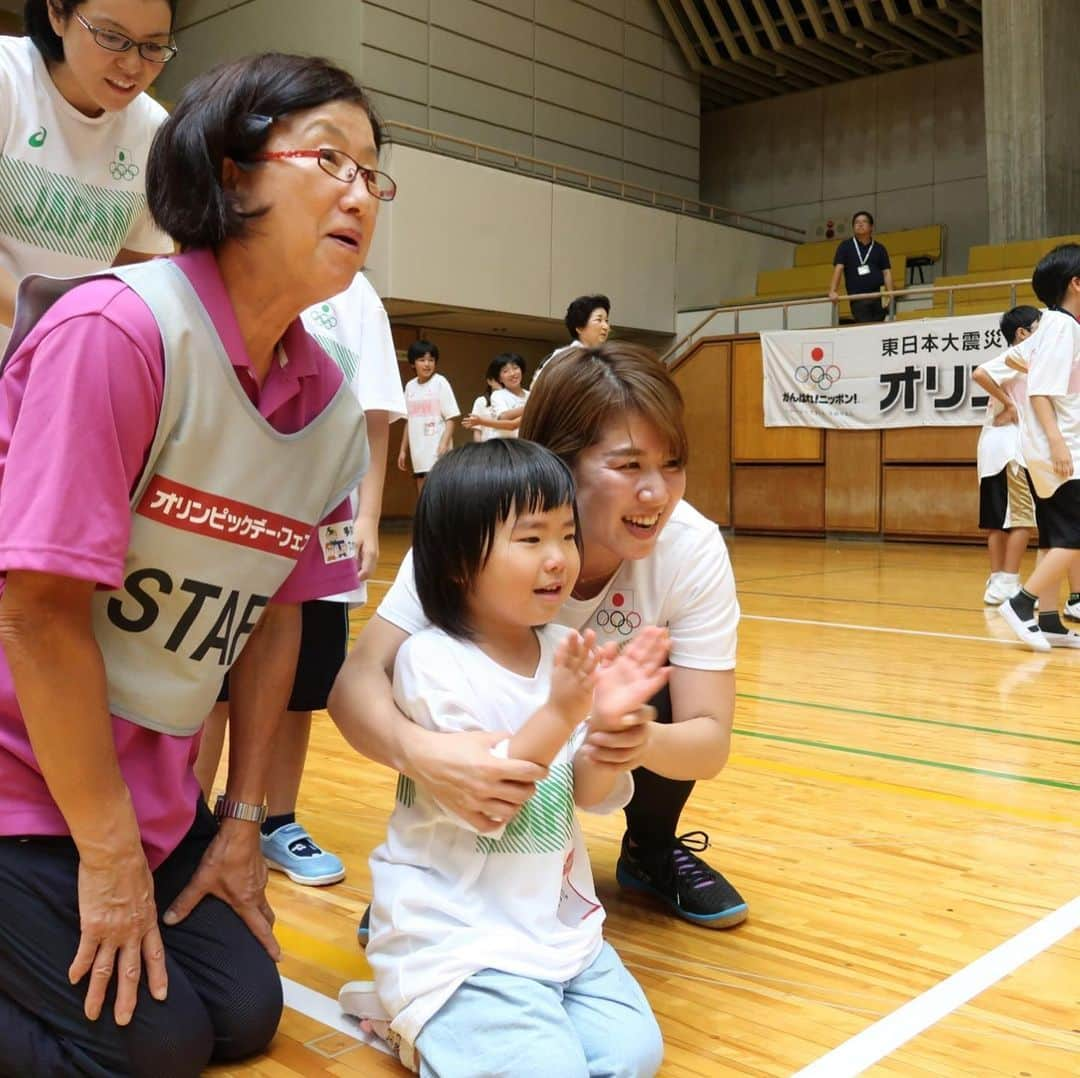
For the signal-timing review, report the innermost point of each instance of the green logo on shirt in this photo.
(37, 139)
(60, 214)
(121, 168)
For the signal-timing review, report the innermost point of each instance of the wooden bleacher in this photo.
(994, 262)
(812, 272)
(804, 282)
(918, 246)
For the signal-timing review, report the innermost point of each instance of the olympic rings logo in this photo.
(120, 171)
(822, 377)
(325, 317)
(622, 623)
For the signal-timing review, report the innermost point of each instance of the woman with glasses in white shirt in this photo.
(75, 129)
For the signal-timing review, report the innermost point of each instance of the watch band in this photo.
(238, 810)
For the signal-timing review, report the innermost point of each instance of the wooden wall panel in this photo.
(930, 443)
(853, 480)
(705, 381)
(930, 502)
(751, 439)
(780, 498)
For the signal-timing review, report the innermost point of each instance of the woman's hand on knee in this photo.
(232, 869)
(119, 931)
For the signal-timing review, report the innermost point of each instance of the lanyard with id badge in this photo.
(863, 270)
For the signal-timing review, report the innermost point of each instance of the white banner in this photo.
(890, 374)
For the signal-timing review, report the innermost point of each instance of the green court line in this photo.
(911, 718)
(1056, 783)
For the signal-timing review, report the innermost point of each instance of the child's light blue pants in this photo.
(502, 1026)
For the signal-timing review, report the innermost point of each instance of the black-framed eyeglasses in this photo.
(115, 41)
(341, 166)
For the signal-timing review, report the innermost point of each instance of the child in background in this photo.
(507, 400)
(1050, 443)
(487, 948)
(431, 408)
(483, 408)
(1006, 510)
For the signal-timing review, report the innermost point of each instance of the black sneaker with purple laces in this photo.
(694, 891)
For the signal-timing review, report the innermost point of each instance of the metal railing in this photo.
(538, 167)
(678, 349)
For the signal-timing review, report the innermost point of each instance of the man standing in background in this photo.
(865, 266)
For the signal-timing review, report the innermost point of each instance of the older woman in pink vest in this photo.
(175, 460)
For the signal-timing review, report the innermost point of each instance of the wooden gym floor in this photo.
(900, 811)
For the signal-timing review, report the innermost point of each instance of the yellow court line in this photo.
(757, 764)
(352, 965)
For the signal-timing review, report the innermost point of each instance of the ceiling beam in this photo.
(703, 36)
(916, 29)
(679, 34)
(727, 38)
(961, 15)
(895, 39)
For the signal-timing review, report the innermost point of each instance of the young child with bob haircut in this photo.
(487, 947)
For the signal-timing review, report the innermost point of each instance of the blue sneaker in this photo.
(363, 929)
(290, 849)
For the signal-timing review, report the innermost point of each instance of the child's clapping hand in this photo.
(619, 727)
(573, 675)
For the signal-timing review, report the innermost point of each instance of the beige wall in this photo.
(210, 32)
(593, 84)
(465, 235)
(909, 146)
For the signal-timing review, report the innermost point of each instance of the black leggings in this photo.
(224, 1000)
(652, 816)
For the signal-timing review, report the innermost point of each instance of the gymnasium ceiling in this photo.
(745, 50)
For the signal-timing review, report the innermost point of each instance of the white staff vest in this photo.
(223, 508)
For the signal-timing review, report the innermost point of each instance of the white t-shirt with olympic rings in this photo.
(685, 585)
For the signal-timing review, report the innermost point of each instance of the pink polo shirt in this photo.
(76, 424)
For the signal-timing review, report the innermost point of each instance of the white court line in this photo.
(883, 1037)
(858, 628)
(326, 1010)
(883, 629)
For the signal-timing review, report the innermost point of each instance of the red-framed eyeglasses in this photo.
(341, 166)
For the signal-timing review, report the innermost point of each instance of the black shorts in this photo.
(1058, 518)
(1005, 500)
(324, 643)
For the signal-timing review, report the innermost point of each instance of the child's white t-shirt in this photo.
(502, 400)
(448, 901)
(429, 406)
(1052, 354)
(354, 330)
(72, 187)
(482, 408)
(685, 585)
(1000, 446)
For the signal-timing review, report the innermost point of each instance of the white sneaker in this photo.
(1027, 632)
(1072, 611)
(1063, 640)
(999, 587)
(360, 999)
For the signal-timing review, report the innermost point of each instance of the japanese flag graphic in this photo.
(817, 352)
